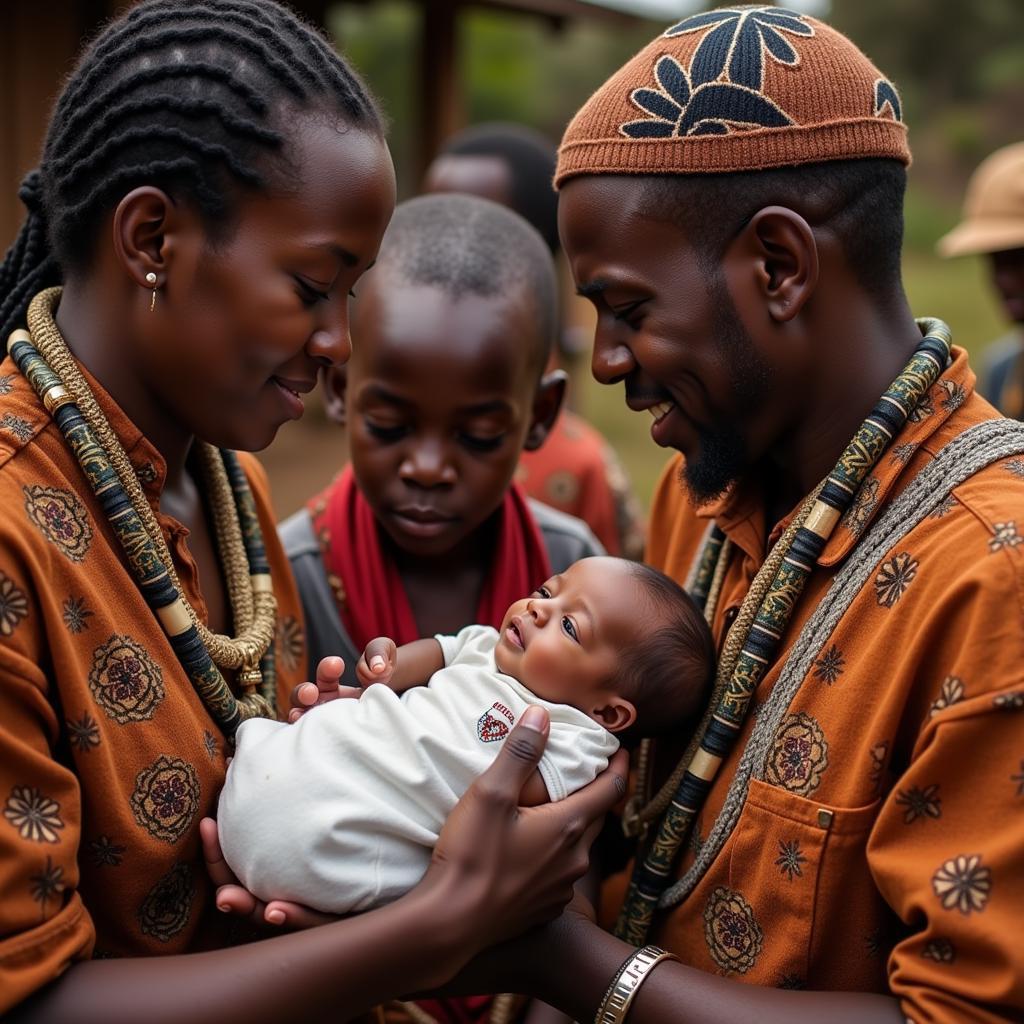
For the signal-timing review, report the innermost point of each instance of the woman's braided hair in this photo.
(192, 96)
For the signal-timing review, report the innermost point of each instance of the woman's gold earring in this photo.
(151, 280)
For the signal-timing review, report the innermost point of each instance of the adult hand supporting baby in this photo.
(326, 688)
(521, 862)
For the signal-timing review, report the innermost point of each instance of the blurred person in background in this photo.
(992, 224)
(576, 471)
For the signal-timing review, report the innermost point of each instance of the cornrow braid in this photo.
(192, 96)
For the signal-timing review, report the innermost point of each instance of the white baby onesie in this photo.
(341, 810)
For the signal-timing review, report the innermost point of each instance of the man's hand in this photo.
(378, 663)
(326, 688)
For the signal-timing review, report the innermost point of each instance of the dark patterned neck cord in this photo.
(652, 871)
(150, 573)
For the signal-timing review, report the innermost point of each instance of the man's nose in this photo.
(611, 360)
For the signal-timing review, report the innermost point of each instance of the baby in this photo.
(341, 810)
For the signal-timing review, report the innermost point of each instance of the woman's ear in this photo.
(618, 714)
(785, 257)
(335, 381)
(145, 221)
(547, 403)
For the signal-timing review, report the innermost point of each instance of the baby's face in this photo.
(566, 641)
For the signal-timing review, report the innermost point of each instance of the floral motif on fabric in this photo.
(864, 503)
(76, 615)
(1015, 466)
(61, 518)
(951, 692)
(6, 387)
(790, 860)
(901, 453)
(13, 605)
(48, 884)
(35, 816)
(878, 754)
(83, 733)
(16, 426)
(562, 488)
(799, 755)
(920, 803)
(290, 644)
(944, 507)
(955, 394)
(145, 472)
(887, 100)
(1009, 701)
(721, 91)
(337, 589)
(165, 911)
(829, 667)
(106, 853)
(125, 680)
(733, 936)
(963, 884)
(166, 798)
(894, 577)
(941, 951)
(1004, 535)
(922, 410)
(210, 744)
(1018, 778)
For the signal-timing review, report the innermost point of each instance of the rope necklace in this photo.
(55, 377)
(755, 635)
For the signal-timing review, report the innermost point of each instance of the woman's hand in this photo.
(511, 868)
(326, 688)
(233, 898)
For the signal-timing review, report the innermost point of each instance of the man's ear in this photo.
(335, 380)
(618, 714)
(547, 403)
(785, 258)
(146, 225)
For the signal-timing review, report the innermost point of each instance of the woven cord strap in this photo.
(652, 871)
(255, 616)
(964, 456)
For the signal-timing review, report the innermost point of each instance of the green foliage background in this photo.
(959, 67)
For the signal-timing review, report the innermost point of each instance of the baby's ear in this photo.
(547, 403)
(335, 380)
(617, 715)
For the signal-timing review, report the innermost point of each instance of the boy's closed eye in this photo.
(385, 432)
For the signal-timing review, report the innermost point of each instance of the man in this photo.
(731, 202)
(993, 225)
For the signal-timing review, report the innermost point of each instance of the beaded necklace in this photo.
(755, 635)
(54, 375)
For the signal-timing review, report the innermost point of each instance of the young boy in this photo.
(341, 810)
(424, 531)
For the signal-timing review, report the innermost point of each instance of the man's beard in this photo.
(722, 452)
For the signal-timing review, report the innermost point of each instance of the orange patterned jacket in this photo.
(108, 758)
(879, 844)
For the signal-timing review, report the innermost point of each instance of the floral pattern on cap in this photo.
(721, 90)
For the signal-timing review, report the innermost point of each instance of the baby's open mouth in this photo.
(514, 636)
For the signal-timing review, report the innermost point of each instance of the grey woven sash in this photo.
(964, 456)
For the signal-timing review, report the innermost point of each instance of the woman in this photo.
(213, 183)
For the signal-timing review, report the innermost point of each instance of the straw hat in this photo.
(993, 215)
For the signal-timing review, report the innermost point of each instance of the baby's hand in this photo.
(377, 665)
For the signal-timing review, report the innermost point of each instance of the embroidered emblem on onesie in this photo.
(490, 728)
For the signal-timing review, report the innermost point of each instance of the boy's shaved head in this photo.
(465, 245)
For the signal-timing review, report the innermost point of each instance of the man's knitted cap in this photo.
(736, 89)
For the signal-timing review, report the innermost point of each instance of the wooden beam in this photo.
(441, 110)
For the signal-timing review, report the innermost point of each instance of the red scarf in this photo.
(375, 602)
